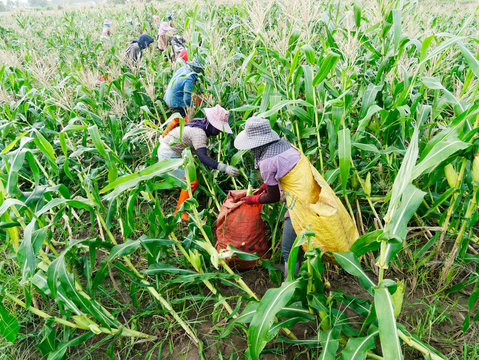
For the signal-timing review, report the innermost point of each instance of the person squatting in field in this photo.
(195, 135)
(178, 95)
(311, 203)
(134, 51)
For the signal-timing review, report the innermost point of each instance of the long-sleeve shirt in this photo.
(180, 87)
(193, 137)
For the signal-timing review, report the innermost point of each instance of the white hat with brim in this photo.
(218, 117)
(257, 132)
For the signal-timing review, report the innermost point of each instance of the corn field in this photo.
(382, 97)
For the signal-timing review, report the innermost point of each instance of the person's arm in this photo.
(271, 195)
(198, 141)
(205, 159)
(188, 89)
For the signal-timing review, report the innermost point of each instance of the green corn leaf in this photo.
(128, 181)
(46, 148)
(367, 242)
(86, 304)
(435, 84)
(425, 46)
(351, 264)
(159, 268)
(388, 332)
(357, 10)
(470, 58)
(397, 27)
(271, 303)
(301, 239)
(9, 326)
(10, 202)
(441, 151)
(124, 249)
(344, 143)
(404, 175)
(397, 226)
(12, 144)
(276, 108)
(327, 65)
(369, 99)
(61, 350)
(40, 282)
(15, 166)
(95, 136)
(308, 83)
(356, 348)
(309, 52)
(330, 343)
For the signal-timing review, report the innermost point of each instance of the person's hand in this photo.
(252, 199)
(232, 171)
(262, 188)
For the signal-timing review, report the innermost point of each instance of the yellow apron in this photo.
(313, 205)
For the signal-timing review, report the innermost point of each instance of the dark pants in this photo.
(289, 236)
(182, 111)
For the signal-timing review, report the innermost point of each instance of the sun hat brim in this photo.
(218, 124)
(244, 142)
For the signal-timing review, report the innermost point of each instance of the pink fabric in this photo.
(164, 28)
(218, 117)
(274, 168)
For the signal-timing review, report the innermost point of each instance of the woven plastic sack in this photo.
(240, 225)
(313, 205)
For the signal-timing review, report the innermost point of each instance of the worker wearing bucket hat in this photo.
(311, 203)
(195, 135)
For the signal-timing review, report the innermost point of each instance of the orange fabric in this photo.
(184, 196)
(172, 124)
(240, 225)
(197, 99)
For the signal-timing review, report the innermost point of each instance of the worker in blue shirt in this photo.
(180, 88)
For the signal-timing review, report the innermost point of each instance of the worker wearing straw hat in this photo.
(195, 135)
(311, 203)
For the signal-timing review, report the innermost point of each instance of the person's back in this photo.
(180, 87)
(133, 53)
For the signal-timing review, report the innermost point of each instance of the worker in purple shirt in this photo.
(311, 202)
(274, 157)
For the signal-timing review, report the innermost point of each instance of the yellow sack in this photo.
(313, 205)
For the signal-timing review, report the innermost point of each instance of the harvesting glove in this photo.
(230, 170)
(252, 199)
(262, 188)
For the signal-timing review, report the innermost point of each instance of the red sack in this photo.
(240, 225)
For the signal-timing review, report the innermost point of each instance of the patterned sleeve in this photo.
(198, 137)
(268, 171)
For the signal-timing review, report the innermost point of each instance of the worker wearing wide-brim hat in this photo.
(311, 203)
(195, 135)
